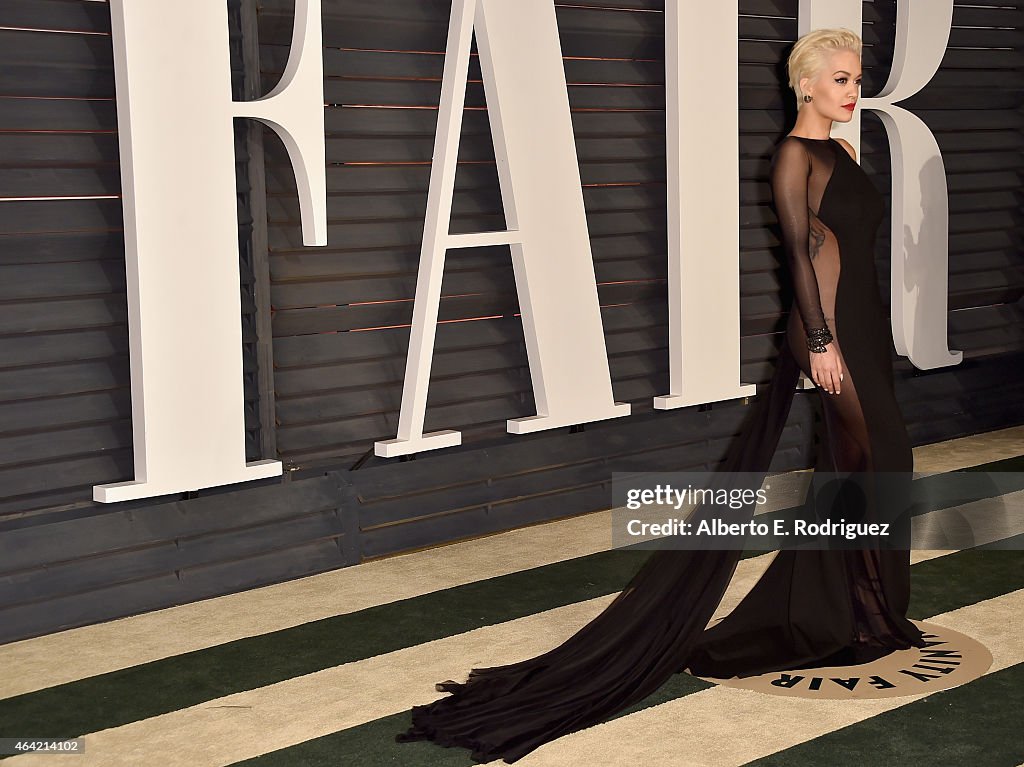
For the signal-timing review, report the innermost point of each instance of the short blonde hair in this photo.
(810, 52)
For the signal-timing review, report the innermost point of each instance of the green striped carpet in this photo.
(322, 671)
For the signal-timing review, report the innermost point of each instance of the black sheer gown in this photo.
(810, 607)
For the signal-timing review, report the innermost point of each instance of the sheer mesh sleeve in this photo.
(790, 170)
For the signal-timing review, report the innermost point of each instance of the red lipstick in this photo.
(851, 107)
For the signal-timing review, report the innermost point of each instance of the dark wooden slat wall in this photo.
(383, 80)
(324, 356)
(78, 569)
(338, 391)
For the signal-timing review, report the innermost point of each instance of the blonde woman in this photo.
(811, 607)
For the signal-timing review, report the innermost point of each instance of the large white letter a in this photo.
(528, 108)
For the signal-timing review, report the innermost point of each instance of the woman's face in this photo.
(836, 88)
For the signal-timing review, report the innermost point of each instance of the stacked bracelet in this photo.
(818, 339)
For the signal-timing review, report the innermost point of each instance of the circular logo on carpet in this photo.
(949, 660)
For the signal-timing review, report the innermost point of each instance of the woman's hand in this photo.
(827, 368)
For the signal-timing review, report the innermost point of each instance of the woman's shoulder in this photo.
(790, 149)
(791, 143)
(847, 146)
(802, 144)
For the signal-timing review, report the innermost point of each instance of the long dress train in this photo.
(810, 607)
